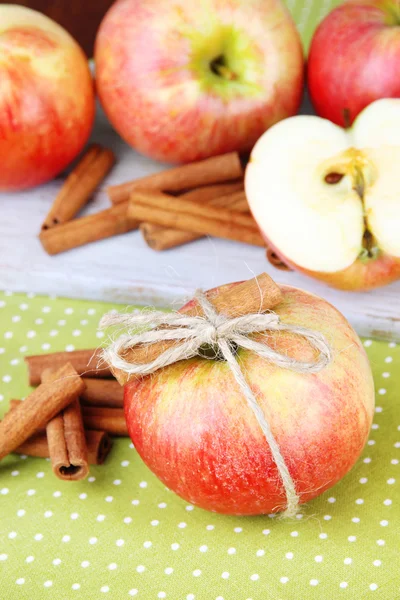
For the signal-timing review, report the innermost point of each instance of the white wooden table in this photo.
(123, 269)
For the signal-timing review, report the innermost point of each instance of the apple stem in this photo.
(218, 67)
(346, 118)
(394, 15)
(226, 73)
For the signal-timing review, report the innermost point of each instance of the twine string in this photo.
(222, 333)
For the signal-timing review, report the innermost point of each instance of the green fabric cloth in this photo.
(308, 13)
(122, 534)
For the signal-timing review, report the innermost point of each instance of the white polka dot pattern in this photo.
(121, 534)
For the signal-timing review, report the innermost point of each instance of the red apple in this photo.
(193, 428)
(46, 98)
(181, 80)
(354, 58)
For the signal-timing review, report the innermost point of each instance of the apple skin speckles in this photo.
(181, 81)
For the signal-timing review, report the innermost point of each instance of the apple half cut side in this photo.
(327, 200)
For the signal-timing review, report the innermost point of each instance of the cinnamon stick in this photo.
(67, 444)
(66, 439)
(164, 238)
(39, 407)
(102, 225)
(80, 185)
(255, 295)
(177, 213)
(98, 446)
(111, 420)
(216, 169)
(98, 418)
(103, 392)
(85, 362)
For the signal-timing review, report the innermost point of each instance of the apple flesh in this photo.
(193, 428)
(354, 59)
(181, 81)
(46, 98)
(328, 200)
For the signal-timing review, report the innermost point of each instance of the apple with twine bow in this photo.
(279, 416)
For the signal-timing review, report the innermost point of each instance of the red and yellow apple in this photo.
(354, 58)
(181, 81)
(193, 428)
(327, 200)
(46, 98)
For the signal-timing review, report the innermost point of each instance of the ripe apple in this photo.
(354, 58)
(327, 200)
(46, 98)
(181, 81)
(193, 428)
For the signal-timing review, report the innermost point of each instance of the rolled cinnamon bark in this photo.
(102, 418)
(164, 238)
(177, 213)
(98, 445)
(80, 185)
(87, 362)
(66, 439)
(102, 225)
(217, 169)
(97, 418)
(39, 408)
(103, 392)
(67, 444)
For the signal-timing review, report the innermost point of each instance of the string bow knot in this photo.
(193, 332)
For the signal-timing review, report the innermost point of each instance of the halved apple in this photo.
(327, 200)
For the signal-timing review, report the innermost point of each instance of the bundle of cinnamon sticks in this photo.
(171, 208)
(69, 417)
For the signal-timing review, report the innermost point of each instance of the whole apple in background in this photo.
(46, 98)
(327, 200)
(354, 58)
(193, 428)
(181, 81)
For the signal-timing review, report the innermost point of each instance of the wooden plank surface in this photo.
(125, 270)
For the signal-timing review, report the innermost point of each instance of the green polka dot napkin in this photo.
(121, 534)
